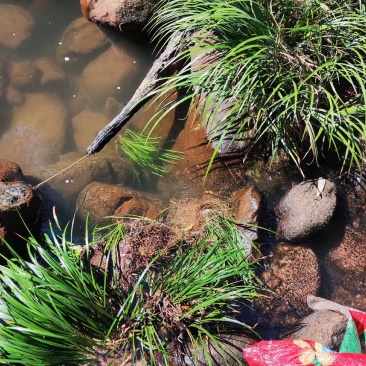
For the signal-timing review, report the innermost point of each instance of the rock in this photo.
(306, 209)
(98, 200)
(247, 204)
(80, 38)
(10, 171)
(292, 274)
(188, 174)
(86, 126)
(14, 96)
(15, 25)
(111, 70)
(23, 74)
(64, 188)
(121, 14)
(40, 123)
(20, 207)
(324, 326)
(49, 70)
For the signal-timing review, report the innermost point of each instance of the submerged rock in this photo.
(37, 131)
(23, 73)
(49, 70)
(81, 38)
(306, 209)
(108, 74)
(15, 25)
(86, 126)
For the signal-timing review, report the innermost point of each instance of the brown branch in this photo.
(140, 97)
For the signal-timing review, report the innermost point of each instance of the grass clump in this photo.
(144, 153)
(292, 73)
(59, 308)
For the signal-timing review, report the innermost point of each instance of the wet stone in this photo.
(15, 25)
(13, 195)
(306, 209)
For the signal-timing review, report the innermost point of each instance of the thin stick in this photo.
(55, 175)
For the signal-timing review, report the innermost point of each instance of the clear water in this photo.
(18, 141)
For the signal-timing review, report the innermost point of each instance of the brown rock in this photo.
(108, 74)
(37, 131)
(49, 70)
(15, 25)
(80, 38)
(118, 13)
(20, 208)
(86, 126)
(306, 209)
(10, 171)
(64, 188)
(23, 73)
(246, 205)
(99, 200)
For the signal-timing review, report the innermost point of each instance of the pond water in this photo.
(69, 78)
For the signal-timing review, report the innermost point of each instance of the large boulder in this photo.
(306, 209)
(15, 25)
(37, 131)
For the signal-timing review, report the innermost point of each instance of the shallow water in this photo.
(37, 119)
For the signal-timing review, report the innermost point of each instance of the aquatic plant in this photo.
(289, 74)
(145, 153)
(58, 308)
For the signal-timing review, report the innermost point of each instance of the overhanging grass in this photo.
(292, 72)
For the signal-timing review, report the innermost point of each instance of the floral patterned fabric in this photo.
(305, 352)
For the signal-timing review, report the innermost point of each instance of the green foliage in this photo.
(292, 72)
(56, 308)
(144, 153)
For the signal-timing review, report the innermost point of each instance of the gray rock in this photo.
(325, 326)
(306, 209)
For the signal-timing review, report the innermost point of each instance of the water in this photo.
(80, 74)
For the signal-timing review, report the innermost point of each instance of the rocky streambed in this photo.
(55, 100)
